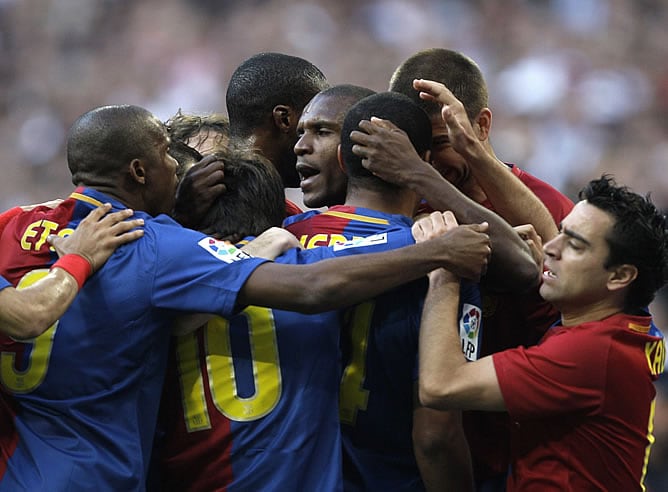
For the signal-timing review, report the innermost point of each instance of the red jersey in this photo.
(510, 321)
(582, 405)
(291, 208)
(7, 216)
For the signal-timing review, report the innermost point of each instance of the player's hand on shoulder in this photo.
(99, 234)
(271, 243)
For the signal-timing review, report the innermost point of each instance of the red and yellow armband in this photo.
(77, 266)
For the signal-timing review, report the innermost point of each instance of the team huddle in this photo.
(437, 319)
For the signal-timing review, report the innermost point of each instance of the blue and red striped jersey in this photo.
(82, 399)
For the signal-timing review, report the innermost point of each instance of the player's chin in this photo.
(311, 200)
(547, 291)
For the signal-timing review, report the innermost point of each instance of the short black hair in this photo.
(253, 201)
(392, 106)
(638, 237)
(103, 141)
(347, 92)
(264, 81)
(459, 73)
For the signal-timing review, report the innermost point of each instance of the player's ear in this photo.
(621, 276)
(426, 156)
(339, 157)
(137, 171)
(483, 123)
(283, 118)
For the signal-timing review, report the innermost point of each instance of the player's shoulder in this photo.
(294, 220)
(535, 183)
(557, 203)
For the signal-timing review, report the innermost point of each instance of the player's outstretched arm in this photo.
(28, 312)
(339, 282)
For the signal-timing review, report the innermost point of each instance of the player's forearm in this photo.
(511, 266)
(28, 312)
(446, 380)
(439, 345)
(339, 282)
(511, 198)
(441, 450)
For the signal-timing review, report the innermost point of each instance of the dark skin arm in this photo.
(388, 153)
(340, 282)
(441, 450)
(197, 191)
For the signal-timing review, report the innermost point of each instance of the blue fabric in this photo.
(88, 400)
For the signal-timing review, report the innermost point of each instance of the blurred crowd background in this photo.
(577, 87)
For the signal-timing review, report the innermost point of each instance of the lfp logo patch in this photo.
(362, 241)
(223, 250)
(470, 330)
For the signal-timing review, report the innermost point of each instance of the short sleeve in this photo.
(196, 273)
(565, 373)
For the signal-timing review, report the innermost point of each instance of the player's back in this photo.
(250, 403)
(379, 346)
(84, 393)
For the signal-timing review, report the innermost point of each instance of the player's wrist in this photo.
(77, 266)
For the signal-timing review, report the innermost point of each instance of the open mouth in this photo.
(305, 171)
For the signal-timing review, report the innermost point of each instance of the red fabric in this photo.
(291, 208)
(580, 403)
(5, 217)
(77, 266)
(510, 321)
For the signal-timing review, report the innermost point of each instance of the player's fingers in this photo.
(126, 225)
(526, 231)
(450, 219)
(213, 191)
(368, 127)
(213, 177)
(116, 217)
(429, 87)
(212, 170)
(359, 137)
(385, 124)
(360, 151)
(97, 213)
(54, 240)
(206, 160)
(435, 89)
(127, 237)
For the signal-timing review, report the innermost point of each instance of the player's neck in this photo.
(381, 201)
(577, 315)
(120, 195)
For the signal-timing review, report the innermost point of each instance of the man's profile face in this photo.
(575, 277)
(161, 174)
(322, 181)
(451, 165)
